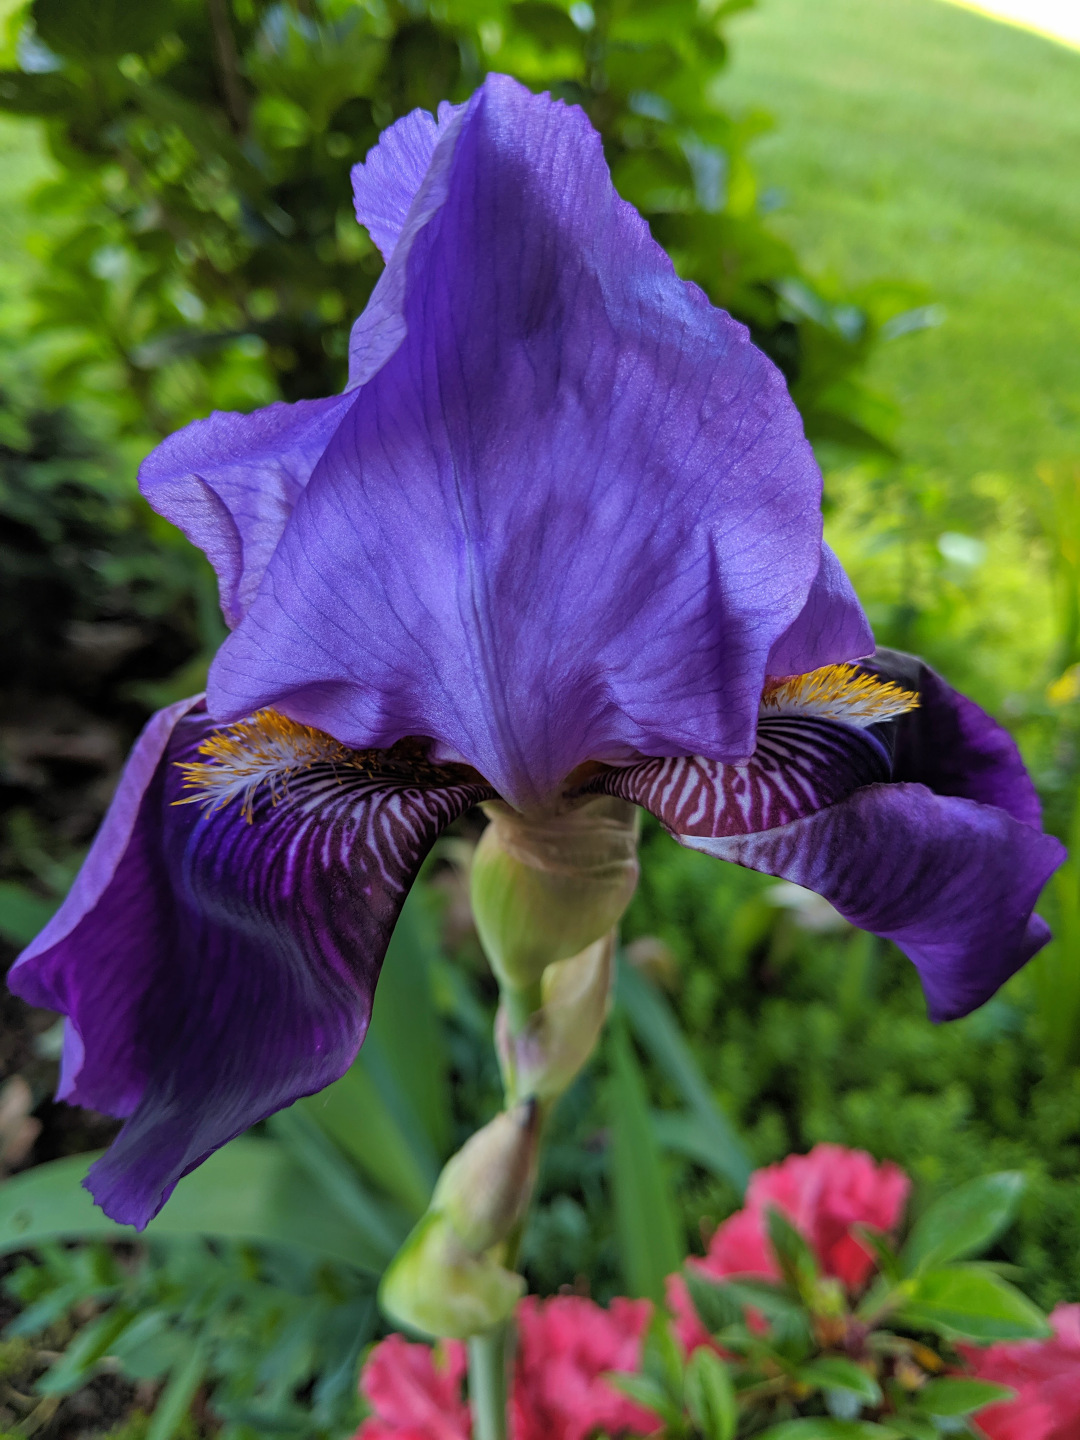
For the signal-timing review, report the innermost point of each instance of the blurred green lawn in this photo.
(918, 140)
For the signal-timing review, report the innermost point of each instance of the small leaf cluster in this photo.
(200, 248)
(799, 1359)
(258, 1326)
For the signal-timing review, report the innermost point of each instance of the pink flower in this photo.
(564, 1347)
(415, 1391)
(823, 1194)
(1046, 1376)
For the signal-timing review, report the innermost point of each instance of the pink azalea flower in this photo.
(1046, 1376)
(824, 1194)
(415, 1391)
(565, 1346)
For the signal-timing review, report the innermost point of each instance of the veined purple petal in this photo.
(829, 629)
(387, 179)
(799, 767)
(230, 483)
(952, 882)
(954, 746)
(213, 967)
(572, 513)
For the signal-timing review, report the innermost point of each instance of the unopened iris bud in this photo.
(484, 1189)
(543, 1057)
(545, 886)
(437, 1286)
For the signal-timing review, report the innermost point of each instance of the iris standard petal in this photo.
(573, 512)
(952, 745)
(387, 179)
(951, 881)
(230, 482)
(228, 963)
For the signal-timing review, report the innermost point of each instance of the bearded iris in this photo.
(560, 538)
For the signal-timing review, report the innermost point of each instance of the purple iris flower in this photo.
(561, 535)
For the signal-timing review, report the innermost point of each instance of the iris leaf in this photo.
(711, 1139)
(249, 1190)
(645, 1219)
(388, 1112)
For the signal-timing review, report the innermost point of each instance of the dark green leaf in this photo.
(950, 1396)
(972, 1303)
(645, 1223)
(95, 29)
(644, 1390)
(834, 1372)
(176, 1398)
(80, 1359)
(658, 1031)
(814, 1428)
(22, 913)
(715, 1304)
(337, 1180)
(963, 1222)
(797, 1262)
(250, 1190)
(710, 1396)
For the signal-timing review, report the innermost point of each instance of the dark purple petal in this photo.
(953, 746)
(386, 181)
(230, 483)
(952, 882)
(214, 969)
(799, 767)
(830, 628)
(573, 512)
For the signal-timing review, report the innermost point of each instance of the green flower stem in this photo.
(488, 1383)
(521, 1004)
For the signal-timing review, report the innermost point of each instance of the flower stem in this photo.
(487, 1383)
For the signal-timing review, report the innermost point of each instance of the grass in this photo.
(918, 140)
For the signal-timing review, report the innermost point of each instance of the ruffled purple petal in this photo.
(953, 746)
(830, 628)
(573, 513)
(387, 179)
(951, 881)
(214, 969)
(230, 483)
(799, 767)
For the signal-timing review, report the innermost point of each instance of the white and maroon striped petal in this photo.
(229, 963)
(800, 766)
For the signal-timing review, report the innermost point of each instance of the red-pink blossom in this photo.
(1046, 1377)
(824, 1194)
(565, 1346)
(415, 1392)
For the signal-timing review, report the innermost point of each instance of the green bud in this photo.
(485, 1188)
(548, 884)
(543, 1056)
(437, 1286)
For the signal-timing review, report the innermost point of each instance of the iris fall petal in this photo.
(218, 963)
(952, 882)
